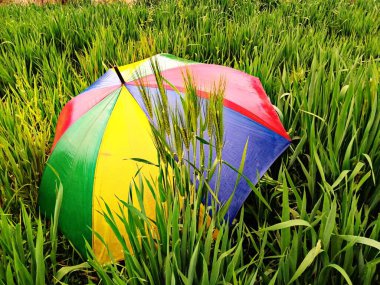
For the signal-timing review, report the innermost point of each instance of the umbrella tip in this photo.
(119, 74)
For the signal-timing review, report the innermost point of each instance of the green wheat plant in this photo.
(313, 218)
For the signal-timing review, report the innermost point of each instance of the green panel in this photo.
(74, 160)
(168, 55)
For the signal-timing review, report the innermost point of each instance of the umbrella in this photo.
(108, 122)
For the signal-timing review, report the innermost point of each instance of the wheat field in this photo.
(313, 218)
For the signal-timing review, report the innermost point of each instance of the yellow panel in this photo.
(127, 135)
(143, 68)
(129, 71)
(132, 66)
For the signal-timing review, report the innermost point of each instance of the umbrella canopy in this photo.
(108, 122)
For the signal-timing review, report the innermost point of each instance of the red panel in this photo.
(243, 93)
(77, 107)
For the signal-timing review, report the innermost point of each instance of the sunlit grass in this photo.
(319, 62)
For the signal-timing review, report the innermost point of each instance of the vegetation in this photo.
(312, 219)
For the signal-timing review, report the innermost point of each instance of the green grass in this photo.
(317, 221)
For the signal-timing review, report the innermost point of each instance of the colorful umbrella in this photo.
(108, 122)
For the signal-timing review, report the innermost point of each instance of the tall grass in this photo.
(318, 62)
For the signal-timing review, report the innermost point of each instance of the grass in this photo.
(318, 221)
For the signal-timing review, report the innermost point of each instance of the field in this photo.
(312, 219)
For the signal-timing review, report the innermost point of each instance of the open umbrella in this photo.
(108, 122)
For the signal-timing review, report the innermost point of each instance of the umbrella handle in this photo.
(119, 74)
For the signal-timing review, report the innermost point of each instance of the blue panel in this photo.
(107, 79)
(264, 146)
